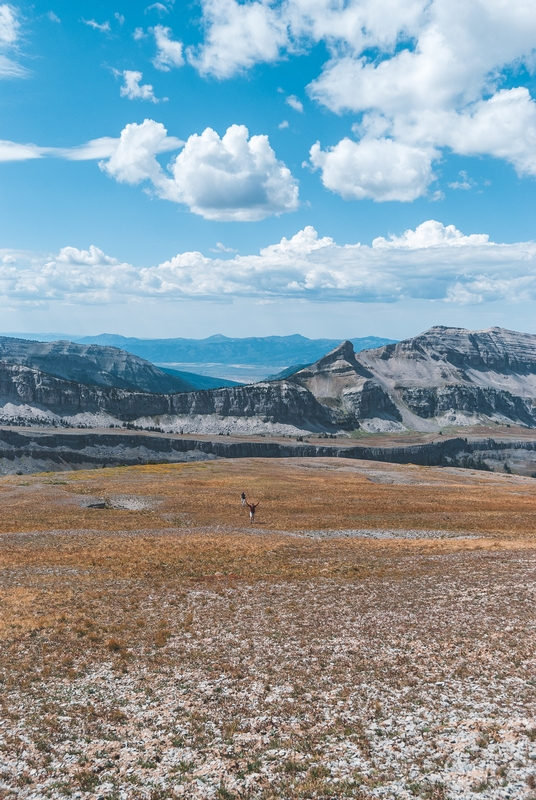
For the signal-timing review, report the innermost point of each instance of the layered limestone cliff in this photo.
(35, 451)
(28, 396)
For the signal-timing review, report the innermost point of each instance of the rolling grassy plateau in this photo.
(371, 635)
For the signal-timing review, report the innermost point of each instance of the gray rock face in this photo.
(91, 364)
(22, 385)
(281, 401)
(494, 349)
(428, 403)
(345, 387)
(26, 452)
(459, 373)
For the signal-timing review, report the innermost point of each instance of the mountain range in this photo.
(443, 377)
(270, 351)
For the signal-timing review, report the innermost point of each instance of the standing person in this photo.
(252, 507)
(243, 498)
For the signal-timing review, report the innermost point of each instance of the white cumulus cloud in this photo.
(168, 52)
(234, 177)
(134, 157)
(381, 169)
(431, 234)
(434, 261)
(133, 89)
(503, 126)
(237, 36)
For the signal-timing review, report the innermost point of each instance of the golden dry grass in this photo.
(295, 494)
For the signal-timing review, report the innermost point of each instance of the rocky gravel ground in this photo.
(262, 666)
(388, 533)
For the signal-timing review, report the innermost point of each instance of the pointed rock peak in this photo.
(343, 352)
(345, 349)
(341, 358)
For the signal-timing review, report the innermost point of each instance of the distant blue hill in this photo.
(266, 350)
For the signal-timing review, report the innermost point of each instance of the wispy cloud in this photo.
(9, 35)
(13, 151)
(221, 248)
(11, 69)
(465, 183)
(158, 7)
(9, 24)
(294, 103)
(103, 27)
(93, 150)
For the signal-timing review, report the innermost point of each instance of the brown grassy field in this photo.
(294, 494)
(372, 635)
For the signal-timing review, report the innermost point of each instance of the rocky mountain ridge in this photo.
(29, 396)
(445, 376)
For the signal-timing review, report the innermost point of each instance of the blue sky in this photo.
(183, 169)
